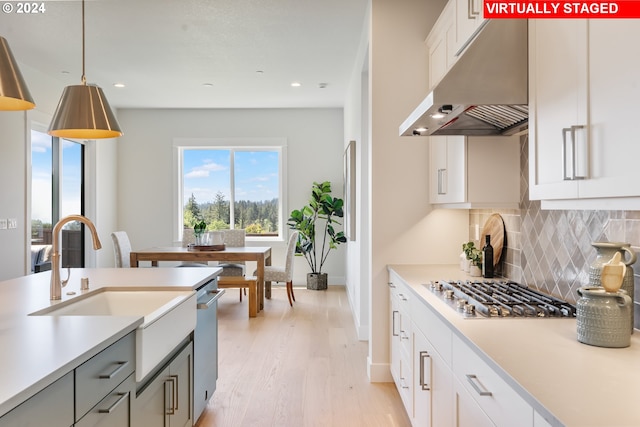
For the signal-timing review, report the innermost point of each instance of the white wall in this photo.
(145, 164)
(404, 229)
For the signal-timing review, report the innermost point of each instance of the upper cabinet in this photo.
(582, 93)
(441, 44)
(469, 19)
(474, 171)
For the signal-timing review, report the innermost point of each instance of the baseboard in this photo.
(379, 372)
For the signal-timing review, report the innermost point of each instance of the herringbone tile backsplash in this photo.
(551, 249)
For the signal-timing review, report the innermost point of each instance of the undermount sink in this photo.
(169, 316)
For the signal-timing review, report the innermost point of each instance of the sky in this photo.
(41, 177)
(208, 171)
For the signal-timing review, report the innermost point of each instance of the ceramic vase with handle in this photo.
(603, 317)
(604, 253)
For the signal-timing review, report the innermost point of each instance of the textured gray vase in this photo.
(606, 251)
(603, 317)
(317, 282)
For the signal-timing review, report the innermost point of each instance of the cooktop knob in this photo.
(448, 294)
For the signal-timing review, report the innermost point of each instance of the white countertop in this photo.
(569, 383)
(37, 350)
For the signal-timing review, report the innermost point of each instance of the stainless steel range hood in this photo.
(485, 92)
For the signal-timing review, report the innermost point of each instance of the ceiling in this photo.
(196, 53)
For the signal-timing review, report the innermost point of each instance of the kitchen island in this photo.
(39, 350)
(565, 382)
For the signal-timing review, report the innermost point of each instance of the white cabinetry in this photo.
(433, 380)
(421, 372)
(469, 20)
(480, 388)
(583, 87)
(475, 172)
(441, 44)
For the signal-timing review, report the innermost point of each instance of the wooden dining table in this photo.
(260, 254)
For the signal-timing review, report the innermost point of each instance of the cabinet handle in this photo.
(402, 297)
(110, 409)
(403, 383)
(391, 285)
(203, 305)
(114, 372)
(571, 130)
(171, 381)
(442, 181)
(404, 336)
(424, 357)
(477, 385)
(393, 323)
(176, 396)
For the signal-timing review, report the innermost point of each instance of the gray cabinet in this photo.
(166, 400)
(114, 410)
(98, 376)
(51, 407)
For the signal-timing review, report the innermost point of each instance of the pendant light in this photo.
(83, 111)
(14, 94)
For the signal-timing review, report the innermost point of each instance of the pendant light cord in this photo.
(84, 79)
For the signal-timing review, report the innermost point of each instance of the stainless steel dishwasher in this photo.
(205, 346)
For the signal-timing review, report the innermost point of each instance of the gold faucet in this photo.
(56, 283)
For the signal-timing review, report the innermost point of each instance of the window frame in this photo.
(235, 144)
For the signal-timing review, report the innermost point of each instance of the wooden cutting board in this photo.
(495, 228)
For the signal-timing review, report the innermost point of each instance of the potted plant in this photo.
(315, 243)
(475, 257)
(199, 229)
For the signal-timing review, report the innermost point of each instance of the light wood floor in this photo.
(300, 366)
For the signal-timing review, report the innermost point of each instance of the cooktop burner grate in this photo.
(501, 299)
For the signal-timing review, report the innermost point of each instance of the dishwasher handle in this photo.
(204, 303)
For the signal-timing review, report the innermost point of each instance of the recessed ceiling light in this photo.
(323, 85)
(119, 84)
(259, 72)
(296, 84)
(207, 84)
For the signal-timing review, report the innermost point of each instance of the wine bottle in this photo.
(487, 258)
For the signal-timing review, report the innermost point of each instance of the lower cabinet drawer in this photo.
(405, 386)
(114, 410)
(495, 397)
(99, 375)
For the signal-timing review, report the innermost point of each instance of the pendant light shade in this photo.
(83, 111)
(14, 94)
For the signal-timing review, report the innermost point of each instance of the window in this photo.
(232, 187)
(57, 171)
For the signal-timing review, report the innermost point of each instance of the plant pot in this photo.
(475, 271)
(317, 281)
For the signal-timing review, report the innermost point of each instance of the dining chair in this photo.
(283, 274)
(121, 248)
(234, 239)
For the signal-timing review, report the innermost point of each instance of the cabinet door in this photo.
(469, 17)
(51, 407)
(467, 413)
(441, 45)
(181, 374)
(613, 95)
(448, 169)
(433, 389)
(558, 102)
(166, 400)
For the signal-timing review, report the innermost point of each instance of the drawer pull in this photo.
(404, 335)
(477, 386)
(121, 366)
(176, 397)
(391, 285)
(402, 297)
(403, 383)
(393, 323)
(203, 305)
(110, 409)
(425, 358)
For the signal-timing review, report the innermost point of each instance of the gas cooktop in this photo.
(494, 298)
